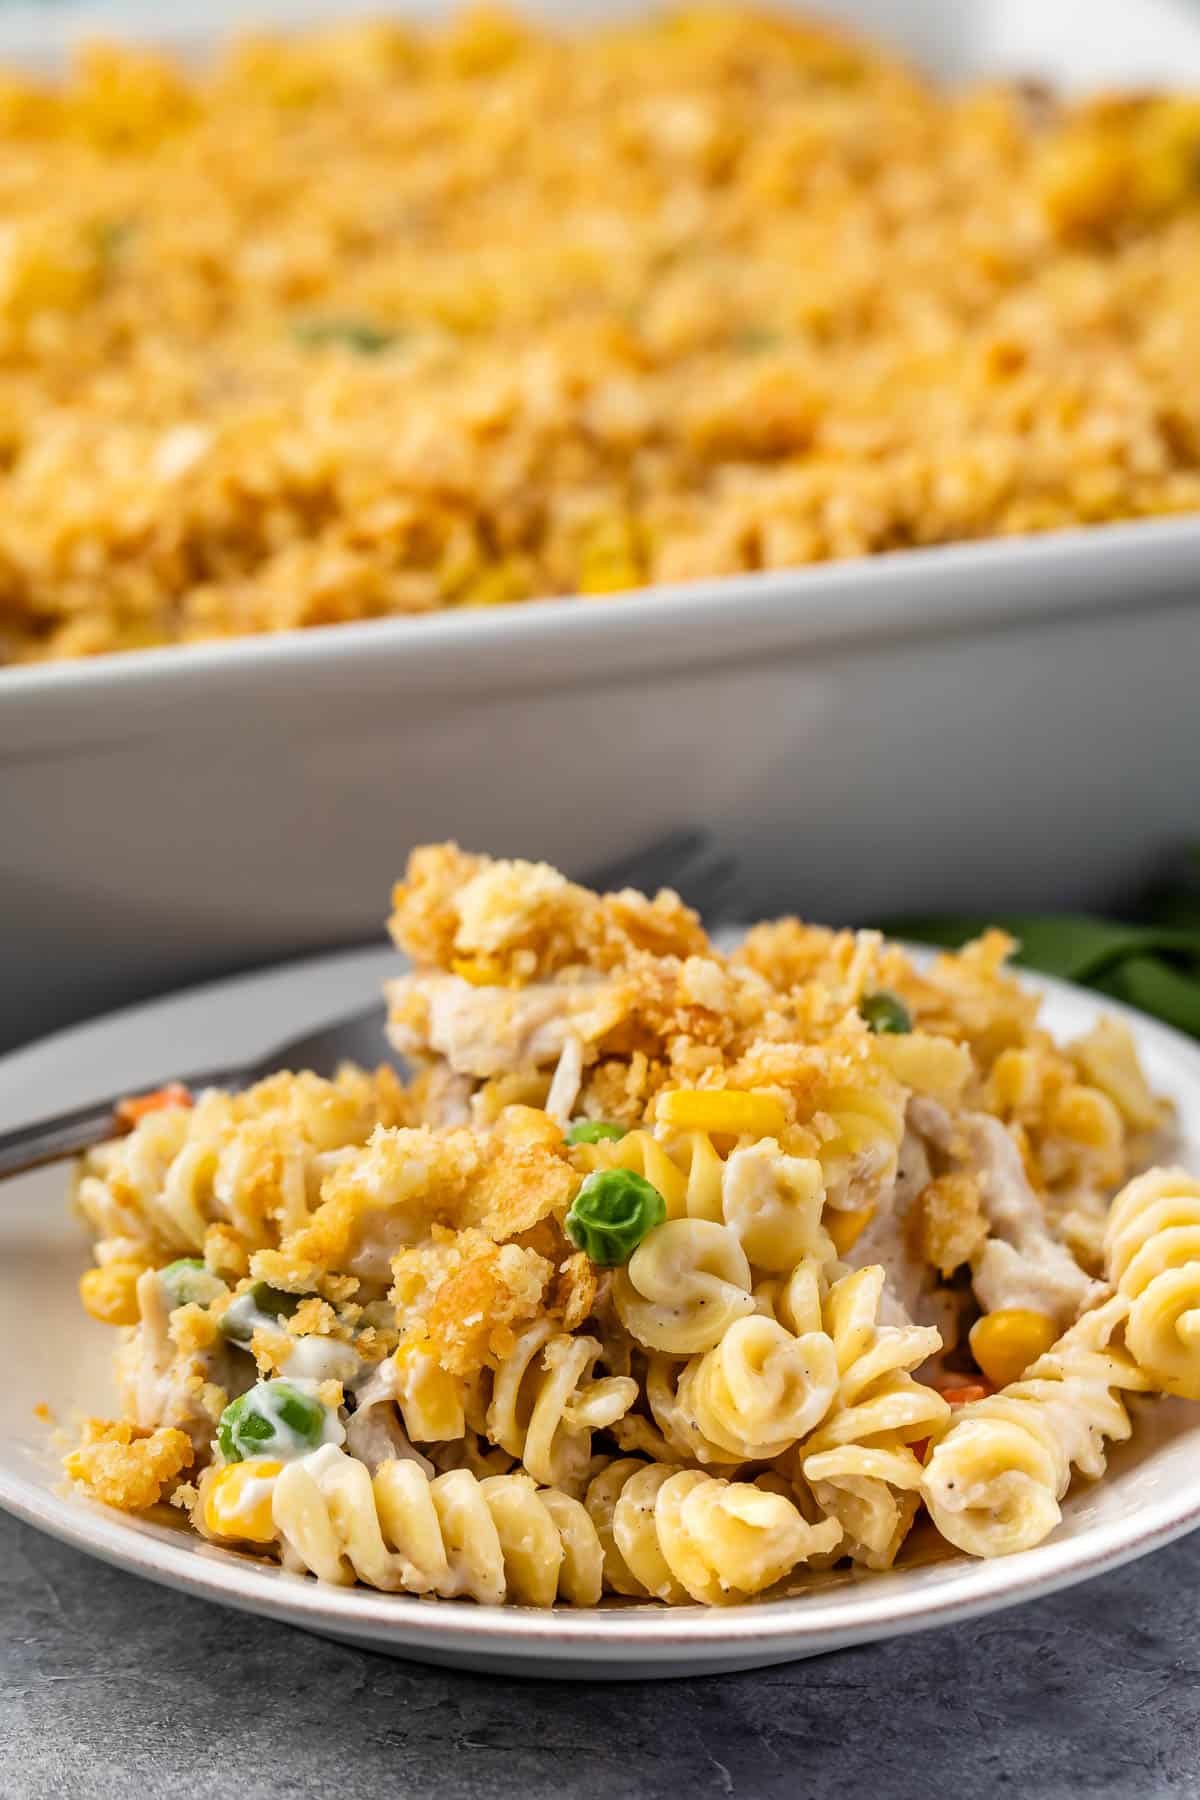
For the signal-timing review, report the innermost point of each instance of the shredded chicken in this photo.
(163, 1382)
(568, 1075)
(487, 1031)
(910, 1294)
(1022, 1263)
(374, 1433)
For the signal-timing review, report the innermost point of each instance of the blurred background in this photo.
(989, 729)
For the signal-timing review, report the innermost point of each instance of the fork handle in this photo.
(51, 1140)
(67, 1134)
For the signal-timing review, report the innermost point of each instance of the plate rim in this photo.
(796, 1625)
(803, 1624)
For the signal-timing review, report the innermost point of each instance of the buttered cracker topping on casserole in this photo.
(376, 320)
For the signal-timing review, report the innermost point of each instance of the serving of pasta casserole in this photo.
(378, 320)
(665, 1274)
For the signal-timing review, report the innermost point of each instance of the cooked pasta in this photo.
(546, 1403)
(491, 1540)
(760, 1389)
(676, 1534)
(676, 1435)
(1153, 1244)
(229, 1173)
(995, 1480)
(859, 1462)
(771, 1201)
(686, 1283)
(858, 1146)
(669, 1276)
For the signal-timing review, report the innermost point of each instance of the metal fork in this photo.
(683, 859)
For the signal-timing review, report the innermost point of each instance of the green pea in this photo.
(753, 340)
(611, 1214)
(884, 1013)
(261, 1306)
(593, 1131)
(359, 335)
(189, 1283)
(112, 236)
(273, 1418)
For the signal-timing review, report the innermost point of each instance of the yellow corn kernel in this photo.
(1004, 1343)
(480, 971)
(110, 1293)
(845, 1228)
(237, 1501)
(723, 1110)
(504, 582)
(608, 557)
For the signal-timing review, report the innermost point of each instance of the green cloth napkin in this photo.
(1153, 964)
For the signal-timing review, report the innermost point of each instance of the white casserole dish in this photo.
(987, 726)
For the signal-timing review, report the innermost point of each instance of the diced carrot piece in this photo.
(137, 1106)
(966, 1392)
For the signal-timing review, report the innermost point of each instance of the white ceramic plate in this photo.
(51, 1352)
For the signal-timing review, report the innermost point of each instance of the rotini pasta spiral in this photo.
(859, 1131)
(676, 1534)
(760, 1389)
(491, 1540)
(774, 1202)
(684, 1285)
(1152, 1245)
(994, 1481)
(121, 1189)
(771, 1201)
(546, 1403)
(858, 1462)
(253, 1161)
(678, 1438)
(797, 1301)
(687, 1174)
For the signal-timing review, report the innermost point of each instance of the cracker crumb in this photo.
(950, 1222)
(126, 1465)
(470, 1294)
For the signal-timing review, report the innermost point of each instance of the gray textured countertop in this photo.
(111, 1687)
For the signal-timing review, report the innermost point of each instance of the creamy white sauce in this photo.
(320, 1359)
(289, 1445)
(251, 1494)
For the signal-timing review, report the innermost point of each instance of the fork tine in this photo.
(686, 860)
(713, 890)
(663, 861)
